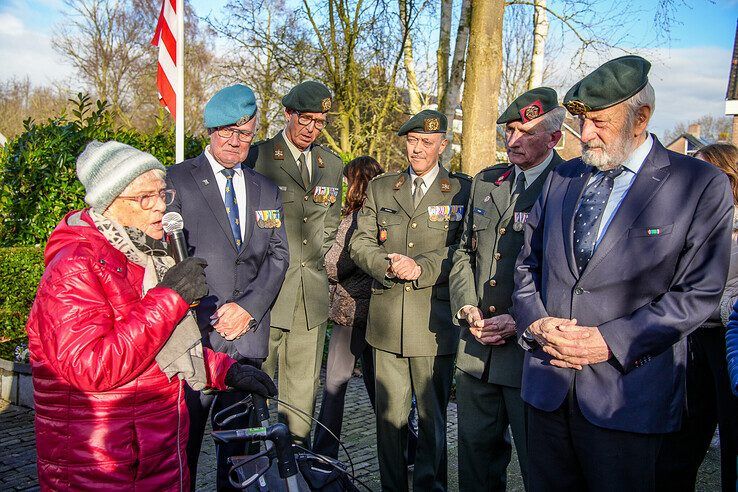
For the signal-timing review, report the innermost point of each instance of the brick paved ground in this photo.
(18, 454)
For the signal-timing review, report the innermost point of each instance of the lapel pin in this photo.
(205, 182)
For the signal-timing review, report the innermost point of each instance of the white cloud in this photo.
(10, 25)
(29, 54)
(689, 82)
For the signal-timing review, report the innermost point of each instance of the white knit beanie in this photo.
(105, 169)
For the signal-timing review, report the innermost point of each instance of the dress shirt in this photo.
(296, 154)
(239, 186)
(622, 184)
(428, 179)
(532, 174)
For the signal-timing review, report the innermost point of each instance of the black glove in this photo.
(250, 379)
(187, 278)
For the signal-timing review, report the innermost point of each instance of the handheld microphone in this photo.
(173, 226)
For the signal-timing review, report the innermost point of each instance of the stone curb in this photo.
(16, 385)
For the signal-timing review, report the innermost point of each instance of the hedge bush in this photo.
(20, 272)
(38, 182)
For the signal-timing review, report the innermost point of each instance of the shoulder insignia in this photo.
(445, 185)
(257, 143)
(400, 181)
(278, 153)
(384, 174)
(329, 150)
(458, 174)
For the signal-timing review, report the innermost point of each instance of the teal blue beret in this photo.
(308, 97)
(610, 84)
(427, 121)
(530, 105)
(234, 105)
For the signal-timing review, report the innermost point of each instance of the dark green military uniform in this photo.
(311, 217)
(482, 276)
(409, 322)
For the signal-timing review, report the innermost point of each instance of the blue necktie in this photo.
(589, 215)
(231, 206)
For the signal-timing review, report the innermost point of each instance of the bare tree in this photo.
(444, 49)
(19, 100)
(540, 33)
(407, 56)
(712, 129)
(482, 85)
(450, 99)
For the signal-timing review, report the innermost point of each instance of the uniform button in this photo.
(492, 283)
(410, 245)
(502, 231)
(445, 226)
(306, 198)
(579, 291)
(498, 256)
(304, 241)
(407, 288)
(302, 264)
(305, 219)
(236, 292)
(414, 225)
(492, 309)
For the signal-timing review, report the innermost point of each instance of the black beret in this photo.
(427, 121)
(610, 84)
(530, 105)
(308, 97)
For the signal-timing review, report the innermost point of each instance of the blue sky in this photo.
(689, 74)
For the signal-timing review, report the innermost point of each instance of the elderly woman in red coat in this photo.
(111, 340)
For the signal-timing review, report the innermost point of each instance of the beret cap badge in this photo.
(325, 104)
(431, 124)
(576, 107)
(531, 111)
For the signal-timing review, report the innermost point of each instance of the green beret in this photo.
(610, 84)
(234, 105)
(308, 97)
(427, 121)
(530, 105)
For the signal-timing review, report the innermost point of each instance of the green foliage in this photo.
(38, 182)
(20, 272)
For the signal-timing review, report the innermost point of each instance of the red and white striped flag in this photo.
(166, 39)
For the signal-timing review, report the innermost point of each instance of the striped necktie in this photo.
(231, 206)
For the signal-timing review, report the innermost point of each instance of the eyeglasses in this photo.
(305, 120)
(243, 136)
(148, 201)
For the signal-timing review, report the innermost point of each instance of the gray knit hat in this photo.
(105, 169)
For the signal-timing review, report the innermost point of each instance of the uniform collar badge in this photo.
(278, 153)
(400, 181)
(320, 161)
(503, 177)
(445, 185)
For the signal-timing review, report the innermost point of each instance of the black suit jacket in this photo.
(250, 277)
(656, 275)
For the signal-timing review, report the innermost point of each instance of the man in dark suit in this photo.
(489, 362)
(625, 253)
(233, 218)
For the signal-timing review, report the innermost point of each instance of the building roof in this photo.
(732, 93)
(694, 143)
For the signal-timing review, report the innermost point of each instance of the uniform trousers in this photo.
(297, 354)
(397, 378)
(347, 344)
(484, 412)
(568, 453)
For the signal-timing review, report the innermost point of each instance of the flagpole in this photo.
(179, 89)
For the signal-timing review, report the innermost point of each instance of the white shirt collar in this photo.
(216, 166)
(532, 174)
(428, 178)
(294, 150)
(635, 160)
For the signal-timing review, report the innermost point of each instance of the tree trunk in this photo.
(456, 78)
(444, 50)
(482, 85)
(540, 32)
(407, 58)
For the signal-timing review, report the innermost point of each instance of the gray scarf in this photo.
(182, 354)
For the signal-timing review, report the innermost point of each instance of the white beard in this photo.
(612, 156)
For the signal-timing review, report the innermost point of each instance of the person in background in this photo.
(111, 340)
(710, 402)
(350, 289)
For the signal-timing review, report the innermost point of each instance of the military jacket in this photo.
(411, 318)
(311, 217)
(484, 265)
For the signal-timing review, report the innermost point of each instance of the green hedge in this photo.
(20, 271)
(38, 181)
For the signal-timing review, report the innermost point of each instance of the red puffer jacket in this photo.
(107, 418)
